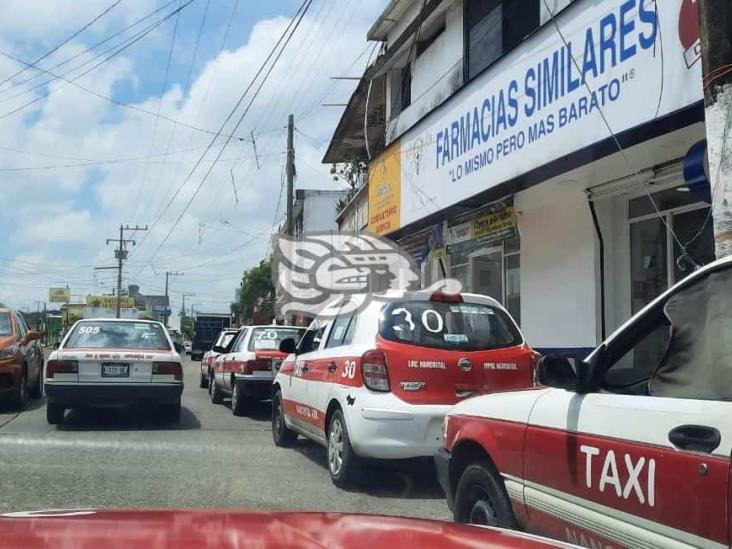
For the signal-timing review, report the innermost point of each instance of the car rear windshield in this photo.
(269, 339)
(5, 328)
(117, 335)
(459, 326)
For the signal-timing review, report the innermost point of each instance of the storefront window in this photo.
(459, 267)
(694, 229)
(513, 286)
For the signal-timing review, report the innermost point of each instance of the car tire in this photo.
(55, 413)
(171, 412)
(239, 403)
(481, 498)
(281, 435)
(203, 384)
(20, 398)
(342, 461)
(37, 390)
(217, 396)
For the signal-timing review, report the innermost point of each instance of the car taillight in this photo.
(374, 372)
(258, 364)
(61, 367)
(446, 298)
(168, 368)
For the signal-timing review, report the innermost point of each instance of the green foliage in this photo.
(186, 327)
(257, 293)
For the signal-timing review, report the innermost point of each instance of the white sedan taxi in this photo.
(113, 362)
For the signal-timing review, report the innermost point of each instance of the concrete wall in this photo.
(319, 211)
(558, 268)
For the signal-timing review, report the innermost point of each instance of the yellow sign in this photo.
(495, 222)
(109, 301)
(385, 191)
(59, 295)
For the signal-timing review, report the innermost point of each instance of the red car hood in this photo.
(86, 528)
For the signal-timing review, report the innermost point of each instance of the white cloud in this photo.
(95, 200)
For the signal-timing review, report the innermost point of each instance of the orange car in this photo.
(21, 359)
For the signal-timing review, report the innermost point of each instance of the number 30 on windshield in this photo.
(431, 320)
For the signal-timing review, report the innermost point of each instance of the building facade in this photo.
(550, 154)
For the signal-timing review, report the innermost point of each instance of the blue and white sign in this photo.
(545, 100)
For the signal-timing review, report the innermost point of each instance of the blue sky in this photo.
(58, 213)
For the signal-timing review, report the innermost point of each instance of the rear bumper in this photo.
(442, 465)
(254, 386)
(113, 395)
(385, 427)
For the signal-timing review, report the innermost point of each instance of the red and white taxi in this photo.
(246, 371)
(113, 362)
(630, 447)
(378, 383)
(221, 345)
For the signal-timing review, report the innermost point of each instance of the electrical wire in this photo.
(291, 28)
(119, 50)
(62, 43)
(143, 179)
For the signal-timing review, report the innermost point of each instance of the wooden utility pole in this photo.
(715, 18)
(290, 172)
(120, 254)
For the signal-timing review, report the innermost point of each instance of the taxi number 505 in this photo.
(89, 330)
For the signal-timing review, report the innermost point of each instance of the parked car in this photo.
(220, 345)
(246, 370)
(630, 447)
(377, 384)
(114, 362)
(224, 529)
(187, 346)
(21, 359)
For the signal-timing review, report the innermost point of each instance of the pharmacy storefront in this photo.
(567, 180)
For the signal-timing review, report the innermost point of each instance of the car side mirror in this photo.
(55, 344)
(287, 345)
(560, 371)
(178, 347)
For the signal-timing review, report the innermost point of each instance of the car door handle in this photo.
(695, 437)
(332, 367)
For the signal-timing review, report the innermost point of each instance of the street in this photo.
(125, 458)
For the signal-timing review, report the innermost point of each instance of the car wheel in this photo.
(55, 413)
(37, 390)
(204, 382)
(238, 401)
(341, 459)
(21, 392)
(481, 498)
(171, 412)
(214, 391)
(282, 436)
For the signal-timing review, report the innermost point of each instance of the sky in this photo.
(81, 154)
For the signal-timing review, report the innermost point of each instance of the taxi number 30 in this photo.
(349, 369)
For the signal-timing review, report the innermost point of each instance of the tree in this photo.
(352, 173)
(257, 292)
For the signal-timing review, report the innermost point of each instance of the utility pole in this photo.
(715, 18)
(290, 171)
(167, 301)
(120, 254)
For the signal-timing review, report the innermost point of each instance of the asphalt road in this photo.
(127, 458)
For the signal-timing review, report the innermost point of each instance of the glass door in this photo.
(486, 273)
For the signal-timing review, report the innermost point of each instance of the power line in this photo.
(291, 28)
(62, 43)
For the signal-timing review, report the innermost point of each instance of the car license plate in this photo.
(115, 369)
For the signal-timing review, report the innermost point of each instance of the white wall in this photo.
(558, 267)
(555, 5)
(436, 74)
(319, 211)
